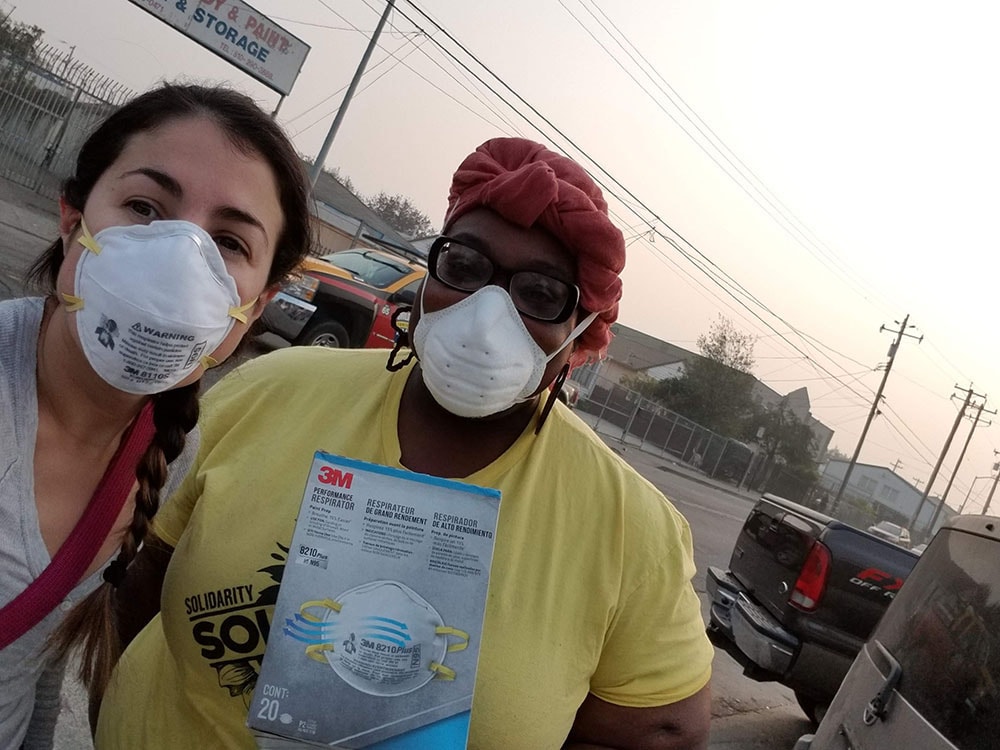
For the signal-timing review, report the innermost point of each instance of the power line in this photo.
(711, 269)
(775, 208)
(722, 280)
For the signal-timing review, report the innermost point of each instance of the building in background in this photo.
(891, 497)
(343, 221)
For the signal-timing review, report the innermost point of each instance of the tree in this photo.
(728, 346)
(716, 388)
(334, 172)
(400, 213)
(19, 39)
(835, 454)
(785, 436)
(787, 441)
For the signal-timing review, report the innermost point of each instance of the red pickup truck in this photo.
(345, 299)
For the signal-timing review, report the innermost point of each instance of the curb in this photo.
(706, 482)
(668, 465)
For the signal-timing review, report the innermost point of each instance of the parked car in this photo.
(891, 532)
(345, 299)
(802, 594)
(929, 676)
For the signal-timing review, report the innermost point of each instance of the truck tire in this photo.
(813, 708)
(327, 333)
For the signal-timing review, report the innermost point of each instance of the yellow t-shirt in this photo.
(590, 588)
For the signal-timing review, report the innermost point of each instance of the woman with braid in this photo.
(592, 635)
(186, 209)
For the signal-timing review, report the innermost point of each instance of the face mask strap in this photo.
(441, 672)
(239, 312)
(323, 603)
(563, 373)
(87, 239)
(553, 396)
(455, 632)
(573, 335)
(73, 303)
(317, 650)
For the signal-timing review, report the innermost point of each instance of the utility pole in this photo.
(321, 157)
(996, 478)
(961, 456)
(893, 348)
(896, 464)
(969, 493)
(944, 451)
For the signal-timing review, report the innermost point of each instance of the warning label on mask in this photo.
(149, 355)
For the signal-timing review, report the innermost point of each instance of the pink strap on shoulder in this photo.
(66, 569)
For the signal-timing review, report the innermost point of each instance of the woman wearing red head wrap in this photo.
(592, 635)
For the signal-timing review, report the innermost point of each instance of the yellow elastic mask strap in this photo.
(87, 239)
(316, 651)
(452, 647)
(442, 672)
(325, 603)
(240, 312)
(73, 303)
(208, 362)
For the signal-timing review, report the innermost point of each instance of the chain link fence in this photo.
(614, 410)
(49, 103)
(620, 412)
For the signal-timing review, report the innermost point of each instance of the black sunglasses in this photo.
(535, 295)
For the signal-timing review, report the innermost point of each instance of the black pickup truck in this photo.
(802, 594)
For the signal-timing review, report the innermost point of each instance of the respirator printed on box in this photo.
(381, 638)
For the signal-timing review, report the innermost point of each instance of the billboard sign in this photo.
(236, 32)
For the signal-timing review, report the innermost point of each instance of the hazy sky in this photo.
(834, 167)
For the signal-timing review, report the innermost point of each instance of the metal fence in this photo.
(613, 409)
(49, 104)
(618, 411)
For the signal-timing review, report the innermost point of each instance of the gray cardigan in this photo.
(29, 682)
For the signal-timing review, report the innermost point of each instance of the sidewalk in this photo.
(28, 224)
(23, 209)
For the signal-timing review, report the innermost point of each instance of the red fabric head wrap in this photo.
(529, 186)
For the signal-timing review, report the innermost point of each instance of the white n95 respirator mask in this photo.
(383, 638)
(152, 302)
(477, 358)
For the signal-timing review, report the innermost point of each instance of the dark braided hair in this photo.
(92, 623)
